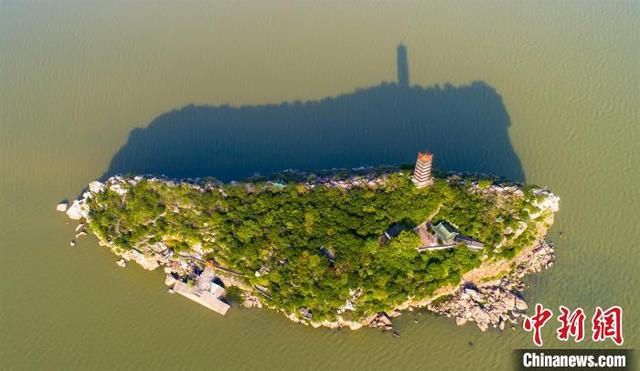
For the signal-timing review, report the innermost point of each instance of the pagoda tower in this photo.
(422, 171)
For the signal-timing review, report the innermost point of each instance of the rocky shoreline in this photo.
(479, 297)
(496, 303)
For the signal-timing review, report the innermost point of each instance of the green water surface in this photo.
(77, 77)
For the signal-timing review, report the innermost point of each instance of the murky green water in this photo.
(76, 78)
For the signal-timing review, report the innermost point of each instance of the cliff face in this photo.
(312, 246)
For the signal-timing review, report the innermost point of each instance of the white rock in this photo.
(121, 263)
(96, 187)
(158, 246)
(521, 304)
(169, 280)
(384, 319)
(145, 261)
(78, 210)
(62, 206)
(117, 188)
(475, 295)
(550, 201)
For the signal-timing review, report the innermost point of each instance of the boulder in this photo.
(96, 187)
(475, 295)
(249, 300)
(521, 304)
(330, 324)
(62, 206)
(169, 280)
(384, 319)
(78, 210)
(147, 262)
(118, 188)
(481, 317)
(494, 316)
(121, 263)
(354, 325)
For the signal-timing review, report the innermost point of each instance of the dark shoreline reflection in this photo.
(465, 127)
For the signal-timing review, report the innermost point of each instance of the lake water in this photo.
(555, 101)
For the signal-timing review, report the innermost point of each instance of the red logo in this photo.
(572, 324)
(608, 325)
(536, 323)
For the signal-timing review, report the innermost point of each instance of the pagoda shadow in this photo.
(465, 127)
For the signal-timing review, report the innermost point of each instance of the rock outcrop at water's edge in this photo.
(496, 303)
(489, 295)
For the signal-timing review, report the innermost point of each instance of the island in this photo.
(337, 248)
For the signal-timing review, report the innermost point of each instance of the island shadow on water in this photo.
(465, 127)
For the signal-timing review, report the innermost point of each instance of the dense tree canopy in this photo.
(315, 246)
